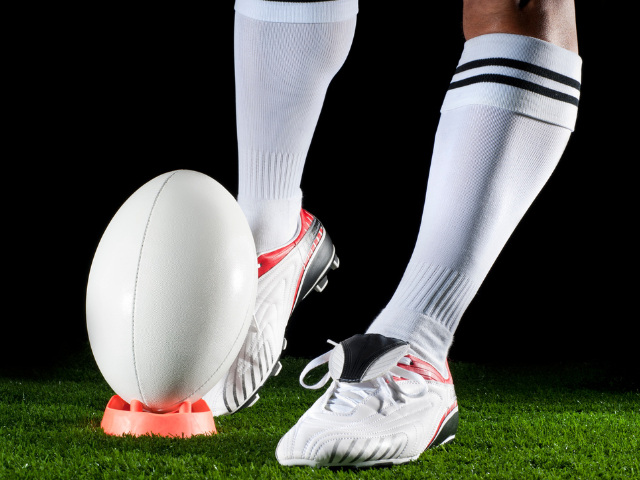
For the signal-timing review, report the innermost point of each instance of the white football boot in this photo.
(286, 275)
(384, 407)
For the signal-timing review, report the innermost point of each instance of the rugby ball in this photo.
(171, 290)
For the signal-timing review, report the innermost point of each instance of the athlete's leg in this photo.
(505, 122)
(286, 53)
(553, 21)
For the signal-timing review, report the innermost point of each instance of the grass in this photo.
(572, 421)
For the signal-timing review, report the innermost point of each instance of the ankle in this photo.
(429, 340)
(273, 222)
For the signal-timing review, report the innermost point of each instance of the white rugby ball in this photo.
(171, 290)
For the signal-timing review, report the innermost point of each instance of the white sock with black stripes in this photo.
(286, 53)
(505, 122)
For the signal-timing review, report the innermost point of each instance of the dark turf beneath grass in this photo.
(516, 421)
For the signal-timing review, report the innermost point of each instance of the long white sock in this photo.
(286, 53)
(505, 122)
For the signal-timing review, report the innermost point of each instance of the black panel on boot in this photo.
(360, 351)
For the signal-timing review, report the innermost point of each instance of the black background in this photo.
(107, 100)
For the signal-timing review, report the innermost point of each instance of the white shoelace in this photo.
(346, 396)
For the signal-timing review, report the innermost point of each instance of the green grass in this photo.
(555, 421)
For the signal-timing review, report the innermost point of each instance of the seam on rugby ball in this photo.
(135, 288)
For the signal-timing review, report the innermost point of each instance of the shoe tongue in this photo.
(365, 357)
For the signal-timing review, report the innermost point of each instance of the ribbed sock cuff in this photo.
(429, 340)
(270, 175)
(425, 310)
(438, 292)
(518, 73)
(297, 11)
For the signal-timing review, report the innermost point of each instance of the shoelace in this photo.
(346, 396)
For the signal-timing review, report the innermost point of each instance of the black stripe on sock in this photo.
(527, 67)
(515, 82)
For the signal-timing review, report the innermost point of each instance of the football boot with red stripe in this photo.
(384, 407)
(286, 276)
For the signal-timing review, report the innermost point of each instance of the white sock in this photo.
(286, 53)
(505, 122)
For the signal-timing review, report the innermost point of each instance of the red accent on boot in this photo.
(455, 404)
(270, 259)
(427, 370)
